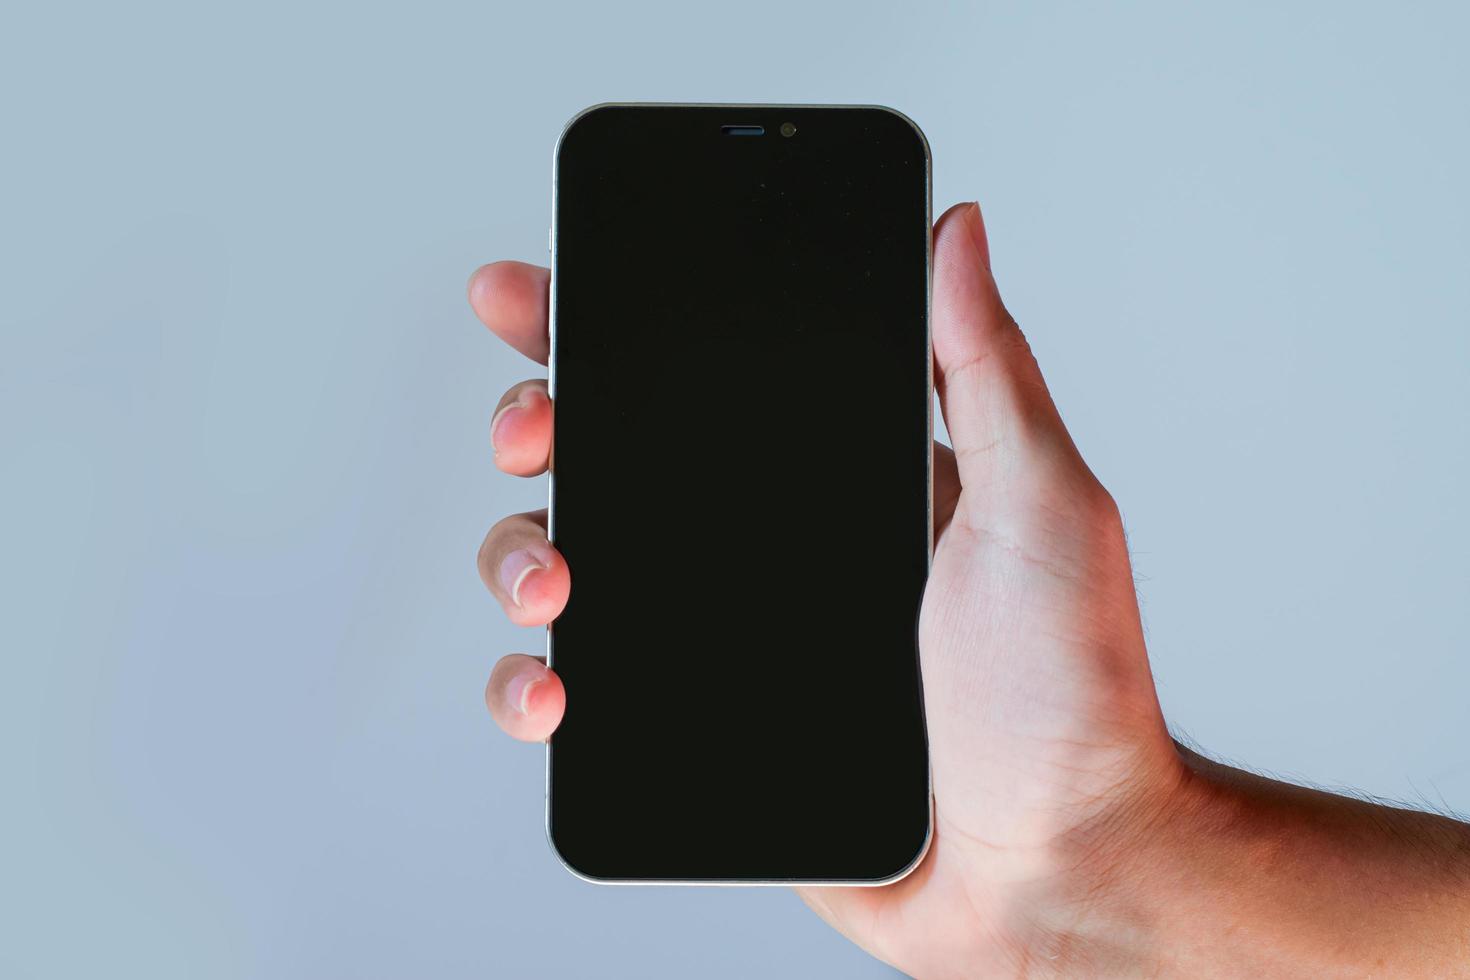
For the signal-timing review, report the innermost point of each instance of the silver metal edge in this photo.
(928, 496)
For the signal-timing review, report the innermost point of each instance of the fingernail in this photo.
(518, 693)
(516, 568)
(523, 400)
(494, 423)
(977, 232)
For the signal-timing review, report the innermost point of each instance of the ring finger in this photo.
(522, 570)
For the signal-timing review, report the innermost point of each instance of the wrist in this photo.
(1205, 870)
(1083, 903)
(1102, 912)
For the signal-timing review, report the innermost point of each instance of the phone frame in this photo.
(928, 476)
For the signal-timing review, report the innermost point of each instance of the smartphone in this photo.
(741, 468)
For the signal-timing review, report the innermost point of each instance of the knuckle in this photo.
(483, 558)
(506, 525)
(521, 389)
(1103, 509)
(485, 555)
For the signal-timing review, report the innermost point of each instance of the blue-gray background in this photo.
(243, 414)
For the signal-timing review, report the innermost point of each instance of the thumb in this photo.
(995, 402)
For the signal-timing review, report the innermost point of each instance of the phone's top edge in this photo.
(919, 132)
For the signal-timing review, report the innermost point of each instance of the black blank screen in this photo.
(741, 493)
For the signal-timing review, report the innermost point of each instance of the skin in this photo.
(1072, 835)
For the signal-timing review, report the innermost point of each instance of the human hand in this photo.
(1065, 815)
(1042, 720)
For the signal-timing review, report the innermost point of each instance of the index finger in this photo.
(511, 298)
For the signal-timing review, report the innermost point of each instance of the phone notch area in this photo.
(743, 130)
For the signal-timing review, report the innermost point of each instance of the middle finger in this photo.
(520, 430)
